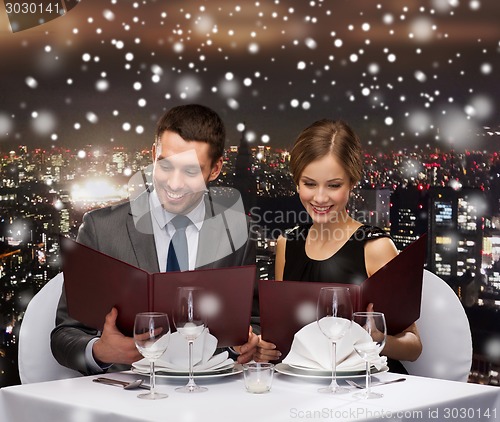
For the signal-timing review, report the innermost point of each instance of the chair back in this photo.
(35, 360)
(445, 333)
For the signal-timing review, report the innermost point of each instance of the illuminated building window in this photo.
(444, 213)
(443, 240)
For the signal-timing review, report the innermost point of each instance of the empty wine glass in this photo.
(190, 322)
(374, 324)
(151, 336)
(334, 314)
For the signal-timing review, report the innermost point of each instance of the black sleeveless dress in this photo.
(346, 266)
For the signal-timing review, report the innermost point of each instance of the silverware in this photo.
(355, 384)
(125, 384)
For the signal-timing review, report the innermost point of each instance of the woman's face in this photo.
(324, 190)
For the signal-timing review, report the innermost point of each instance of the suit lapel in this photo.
(140, 230)
(212, 235)
(208, 244)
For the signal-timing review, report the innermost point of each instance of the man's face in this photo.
(181, 171)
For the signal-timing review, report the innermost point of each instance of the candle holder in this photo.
(258, 377)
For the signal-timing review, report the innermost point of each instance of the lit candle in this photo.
(257, 385)
(258, 377)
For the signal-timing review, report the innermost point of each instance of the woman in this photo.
(326, 164)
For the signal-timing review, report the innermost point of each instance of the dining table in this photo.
(291, 398)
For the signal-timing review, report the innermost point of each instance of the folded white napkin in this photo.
(176, 357)
(311, 349)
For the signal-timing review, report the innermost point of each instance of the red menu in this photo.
(95, 282)
(395, 290)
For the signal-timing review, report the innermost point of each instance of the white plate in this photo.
(283, 368)
(318, 371)
(221, 372)
(183, 371)
(218, 364)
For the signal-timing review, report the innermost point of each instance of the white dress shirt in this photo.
(163, 230)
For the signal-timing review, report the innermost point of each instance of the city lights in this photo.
(98, 190)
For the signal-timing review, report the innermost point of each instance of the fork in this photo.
(355, 384)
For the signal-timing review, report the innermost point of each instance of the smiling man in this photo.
(184, 162)
(187, 155)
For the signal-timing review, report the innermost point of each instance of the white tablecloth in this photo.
(291, 399)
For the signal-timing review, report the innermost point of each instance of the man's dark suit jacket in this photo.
(125, 232)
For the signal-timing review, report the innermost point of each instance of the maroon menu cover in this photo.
(95, 282)
(395, 290)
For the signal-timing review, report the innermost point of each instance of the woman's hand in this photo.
(374, 332)
(266, 351)
(402, 346)
(247, 351)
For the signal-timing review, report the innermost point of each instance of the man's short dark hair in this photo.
(194, 122)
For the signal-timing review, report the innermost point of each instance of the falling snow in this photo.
(108, 15)
(419, 122)
(6, 125)
(406, 73)
(481, 106)
(456, 130)
(421, 29)
(92, 117)
(31, 82)
(43, 122)
(102, 85)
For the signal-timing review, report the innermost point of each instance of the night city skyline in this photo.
(44, 193)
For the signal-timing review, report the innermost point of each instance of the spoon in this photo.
(125, 384)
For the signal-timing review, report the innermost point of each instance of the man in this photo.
(187, 155)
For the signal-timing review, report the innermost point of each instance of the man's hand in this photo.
(113, 346)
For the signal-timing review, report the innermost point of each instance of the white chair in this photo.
(445, 333)
(35, 360)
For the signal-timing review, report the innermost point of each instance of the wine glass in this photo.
(334, 314)
(190, 322)
(151, 336)
(374, 324)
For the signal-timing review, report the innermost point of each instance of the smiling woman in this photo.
(326, 164)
